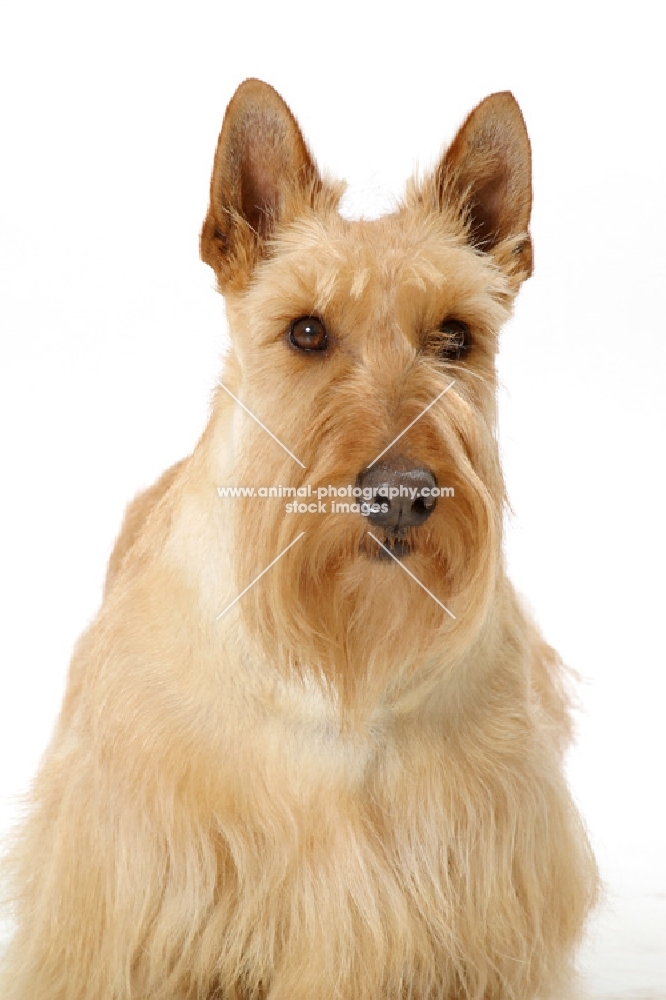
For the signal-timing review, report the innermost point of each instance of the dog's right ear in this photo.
(262, 168)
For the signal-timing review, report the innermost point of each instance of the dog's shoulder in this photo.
(137, 514)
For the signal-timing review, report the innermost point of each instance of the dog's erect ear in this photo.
(261, 162)
(487, 175)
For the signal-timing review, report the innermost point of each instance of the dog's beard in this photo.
(331, 607)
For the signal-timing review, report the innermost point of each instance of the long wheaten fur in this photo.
(336, 790)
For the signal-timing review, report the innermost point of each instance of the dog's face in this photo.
(367, 348)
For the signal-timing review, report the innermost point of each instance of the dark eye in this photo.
(308, 334)
(453, 340)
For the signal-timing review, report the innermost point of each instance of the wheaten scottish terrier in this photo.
(312, 750)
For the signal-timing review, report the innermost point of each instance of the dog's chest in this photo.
(308, 741)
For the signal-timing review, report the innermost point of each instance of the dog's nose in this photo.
(401, 494)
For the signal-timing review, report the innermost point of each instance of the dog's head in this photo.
(367, 350)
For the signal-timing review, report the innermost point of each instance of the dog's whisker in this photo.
(466, 370)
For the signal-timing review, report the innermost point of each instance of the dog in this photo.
(314, 748)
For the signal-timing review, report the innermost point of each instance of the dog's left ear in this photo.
(262, 168)
(486, 175)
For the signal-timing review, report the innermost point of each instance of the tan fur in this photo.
(136, 515)
(335, 790)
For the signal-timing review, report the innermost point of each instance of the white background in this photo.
(111, 333)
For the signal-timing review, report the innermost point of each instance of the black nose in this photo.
(402, 494)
